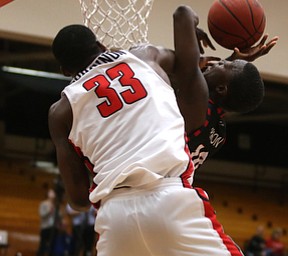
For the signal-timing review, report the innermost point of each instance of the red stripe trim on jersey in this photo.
(89, 166)
(85, 159)
(97, 204)
(206, 123)
(210, 214)
(209, 111)
(197, 133)
(219, 110)
(190, 167)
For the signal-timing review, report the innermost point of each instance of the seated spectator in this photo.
(49, 223)
(63, 241)
(256, 246)
(83, 234)
(274, 244)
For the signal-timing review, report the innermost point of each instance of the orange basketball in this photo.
(4, 2)
(236, 23)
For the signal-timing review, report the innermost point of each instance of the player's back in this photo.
(127, 122)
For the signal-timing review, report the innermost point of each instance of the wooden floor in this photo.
(240, 209)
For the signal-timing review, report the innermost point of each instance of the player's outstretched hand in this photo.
(203, 40)
(255, 52)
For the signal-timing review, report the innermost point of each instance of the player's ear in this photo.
(101, 46)
(222, 89)
(65, 72)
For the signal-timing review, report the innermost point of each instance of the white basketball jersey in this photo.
(126, 121)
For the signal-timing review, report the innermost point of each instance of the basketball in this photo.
(236, 23)
(4, 2)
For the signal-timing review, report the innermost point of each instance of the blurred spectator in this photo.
(90, 236)
(63, 241)
(49, 221)
(83, 234)
(256, 246)
(274, 244)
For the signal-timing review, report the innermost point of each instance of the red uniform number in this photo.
(114, 100)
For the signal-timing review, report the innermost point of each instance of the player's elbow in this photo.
(185, 13)
(181, 9)
(78, 199)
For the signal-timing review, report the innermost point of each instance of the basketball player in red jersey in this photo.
(122, 116)
(206, 140)
(207, 136)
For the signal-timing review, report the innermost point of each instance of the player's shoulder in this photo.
(146, 52)
(57, 107)
(143, 47)
(150, 53)
(60, 111)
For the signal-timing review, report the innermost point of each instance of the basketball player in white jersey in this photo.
(121, 116)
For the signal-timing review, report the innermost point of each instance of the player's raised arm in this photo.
(191, 87)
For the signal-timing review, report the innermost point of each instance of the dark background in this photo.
(259, 137)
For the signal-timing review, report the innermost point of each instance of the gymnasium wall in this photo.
(42, 19)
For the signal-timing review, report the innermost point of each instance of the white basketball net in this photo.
(117, 23)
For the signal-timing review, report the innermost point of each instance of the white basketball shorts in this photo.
(160, 219)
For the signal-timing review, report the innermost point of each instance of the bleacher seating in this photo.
(22, 188)
(240, 209)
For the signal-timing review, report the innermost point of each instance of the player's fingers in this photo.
(212, 59)
(206, 41)
(263, 40)
(236, 50)
(269, 47)
(258, 53)
(238, 54)
(209, 43)
(200, 47)
(273, 40)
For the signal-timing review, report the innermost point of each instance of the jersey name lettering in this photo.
(105, 57)
(198, 156)
(215, 138)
